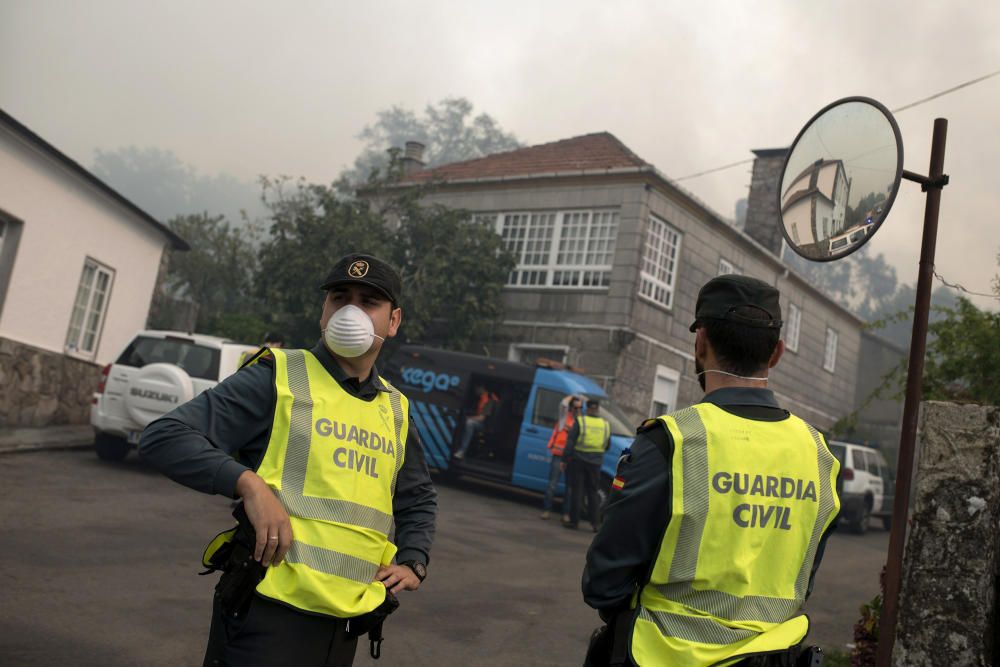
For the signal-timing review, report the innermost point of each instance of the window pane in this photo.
(83, 294)
(659, 262)
(559, 246)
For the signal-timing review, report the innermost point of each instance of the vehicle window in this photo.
(199, 361)
(546, 407)
(620, 424)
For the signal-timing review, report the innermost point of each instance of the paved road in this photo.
(98, 563)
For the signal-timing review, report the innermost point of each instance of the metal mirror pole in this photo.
(932, 185)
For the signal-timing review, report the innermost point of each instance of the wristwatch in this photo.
(419, 569)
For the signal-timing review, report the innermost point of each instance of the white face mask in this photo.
(350, 332)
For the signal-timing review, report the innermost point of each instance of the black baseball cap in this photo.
(719, 298)
(361, 269)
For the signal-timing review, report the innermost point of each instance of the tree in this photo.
(448, 130)
(452, 270)
(215, 275)
(963, 356)
(311, 227)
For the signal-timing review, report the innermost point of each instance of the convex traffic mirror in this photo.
(840, 179)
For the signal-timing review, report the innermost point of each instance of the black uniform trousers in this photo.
(273, 635)
(584, 478)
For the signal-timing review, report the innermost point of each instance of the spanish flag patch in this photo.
(618, 484)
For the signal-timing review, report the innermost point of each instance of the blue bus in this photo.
(440, 386)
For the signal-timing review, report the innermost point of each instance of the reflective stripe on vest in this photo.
(777, 525)
(594, 434)
(326, 444)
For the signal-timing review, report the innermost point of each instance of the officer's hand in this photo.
(562, 465)
(397, 578)
(268, 516)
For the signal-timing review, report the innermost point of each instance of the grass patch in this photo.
(836, 659)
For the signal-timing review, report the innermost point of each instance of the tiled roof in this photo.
(598, 151)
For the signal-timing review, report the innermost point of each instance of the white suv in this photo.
(158, 371)
(868, 486)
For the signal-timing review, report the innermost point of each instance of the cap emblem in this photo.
(358, 269)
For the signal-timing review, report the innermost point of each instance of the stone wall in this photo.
(42, 388)
(948, 602)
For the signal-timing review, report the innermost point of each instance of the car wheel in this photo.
(110, 447)
(863, 520)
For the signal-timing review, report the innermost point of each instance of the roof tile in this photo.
(601, 150)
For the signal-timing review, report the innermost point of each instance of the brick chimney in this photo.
(763, 220)
(413, 157)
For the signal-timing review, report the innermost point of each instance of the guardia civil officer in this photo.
(717, 519)
(321, 452)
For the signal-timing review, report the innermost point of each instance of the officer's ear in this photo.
(700, 343)
(779, 350)
(395, 319)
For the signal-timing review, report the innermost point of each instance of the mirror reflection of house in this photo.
(814, 204)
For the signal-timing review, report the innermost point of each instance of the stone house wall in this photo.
(42, 388)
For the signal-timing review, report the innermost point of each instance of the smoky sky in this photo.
(249, 88)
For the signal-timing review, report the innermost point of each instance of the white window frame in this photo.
(547, 246)
(663, 242)
(830, 350)
(87, 303)
(726, 267)
(515, 352)
(671, 377)
(794, 328)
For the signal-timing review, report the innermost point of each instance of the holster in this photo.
(232, 552)
(609, 643)
(371, 623)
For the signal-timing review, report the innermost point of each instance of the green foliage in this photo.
(216, 275)
(963, 356)
(246, 328)
(866, 629)
(452, 270)
(310, 229)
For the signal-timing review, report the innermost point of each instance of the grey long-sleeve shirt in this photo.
(210, 441)
(636, 516)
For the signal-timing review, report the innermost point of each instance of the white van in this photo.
(156, 372)
(868, 486)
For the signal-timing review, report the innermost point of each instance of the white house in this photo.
(78, 265)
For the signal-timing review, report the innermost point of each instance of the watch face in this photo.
(420, 570)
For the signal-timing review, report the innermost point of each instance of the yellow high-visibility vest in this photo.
(332, 461)
(751, 500)
(594, 435)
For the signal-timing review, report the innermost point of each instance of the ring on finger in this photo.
(273, 537)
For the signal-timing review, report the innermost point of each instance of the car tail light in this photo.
(848, 474)
(101, 384)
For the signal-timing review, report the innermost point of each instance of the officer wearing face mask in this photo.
(717, 519)
(321, 452)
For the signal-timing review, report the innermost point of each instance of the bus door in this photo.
(492, 449)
